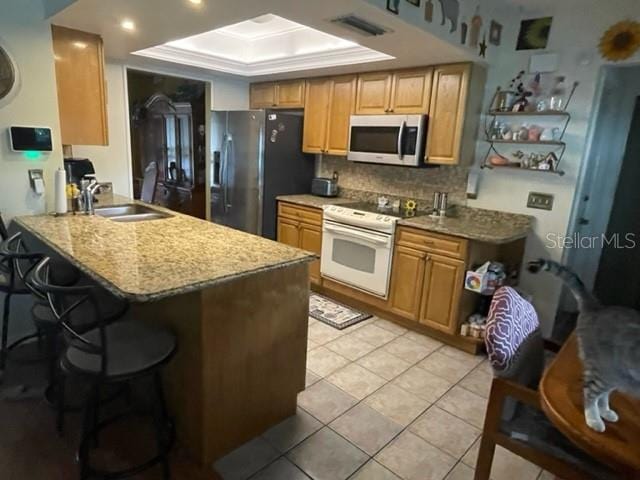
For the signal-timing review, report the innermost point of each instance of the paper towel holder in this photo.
(36, 179)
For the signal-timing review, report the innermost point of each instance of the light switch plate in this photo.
(541, 201)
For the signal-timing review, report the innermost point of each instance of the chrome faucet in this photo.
(89, 189)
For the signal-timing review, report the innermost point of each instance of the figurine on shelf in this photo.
(552, 161)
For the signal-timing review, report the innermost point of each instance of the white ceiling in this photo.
(264, 45)
(162, 21)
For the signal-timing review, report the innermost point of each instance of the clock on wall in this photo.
(7, 74)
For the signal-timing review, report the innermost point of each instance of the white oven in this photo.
(357, 256)
(388, 139)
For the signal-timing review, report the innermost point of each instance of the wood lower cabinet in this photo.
(447, 113)
(82, 100)
(329, 104)
(289, 94)
(427, 278)
(301, 227)
(406, 281)
(442, 287)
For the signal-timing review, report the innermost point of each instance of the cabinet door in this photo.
(447, 113)
(311, 240)
(441, 293)
(341, 107)
(374, 91)
(411, 91)
(291, 94)
(316, 116)
(406, 282)
(263, 95)
(82, 104)
(288, 232)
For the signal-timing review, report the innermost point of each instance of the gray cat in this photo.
(609, 346)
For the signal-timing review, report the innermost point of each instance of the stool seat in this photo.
(133, 349)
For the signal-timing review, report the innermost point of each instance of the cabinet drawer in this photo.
(312, 216)
(431, 242)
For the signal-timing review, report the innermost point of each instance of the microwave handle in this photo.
(401, 139)
(356, 234)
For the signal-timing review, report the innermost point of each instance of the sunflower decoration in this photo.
(621, 41)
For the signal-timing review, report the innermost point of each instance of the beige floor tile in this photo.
(366, 428)
(279, 470)
(431, 343)
(321, 333)
(443, 430)
(461, 472)
(356, 381)
(311, 344)
(423, 384)
(325, 401)
(372, 470)
(506, 465)
(544, 475)
(376, 336)
(327, 456)
(407, 350)
(485, 366)
(464, 357)
(412, 458)
(290, 432)
(392, 327)
(478, 381)
(350, 346)
(384, 364)
(310, 379)
(323, 361)
(464, 404)
(246, 460)
(444, 366)
(397, 404)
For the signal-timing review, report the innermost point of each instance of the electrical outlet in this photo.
(541, 201)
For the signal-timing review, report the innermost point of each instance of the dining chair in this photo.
(514, 418)
(148, 191)
(110, 354)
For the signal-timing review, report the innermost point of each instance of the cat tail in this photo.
(586, 301)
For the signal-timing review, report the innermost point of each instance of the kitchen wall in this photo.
(112, 162)
(27, 37)
(415, 183)
(575, 33)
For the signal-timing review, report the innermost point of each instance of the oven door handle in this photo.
(357, 234)
(401, 139)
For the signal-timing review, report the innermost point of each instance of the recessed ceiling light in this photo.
(196, 2)
(128, 25)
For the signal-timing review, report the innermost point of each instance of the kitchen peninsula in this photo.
(238, 304)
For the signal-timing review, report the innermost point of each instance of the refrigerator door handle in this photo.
(225, 186)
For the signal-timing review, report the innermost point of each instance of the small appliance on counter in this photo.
(325, 187)
(77, 169)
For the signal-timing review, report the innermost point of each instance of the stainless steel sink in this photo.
(132, 212)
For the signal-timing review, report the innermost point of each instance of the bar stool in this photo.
(116, 353)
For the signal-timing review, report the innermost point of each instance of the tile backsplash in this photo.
(403, 182)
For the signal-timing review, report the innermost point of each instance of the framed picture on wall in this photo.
(534, 33)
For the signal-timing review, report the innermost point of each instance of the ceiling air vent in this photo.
(360, 25)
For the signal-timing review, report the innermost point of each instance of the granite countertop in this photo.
(314, 201)
(490, 226)
(150, 260)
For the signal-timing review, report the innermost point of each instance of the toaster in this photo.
(325, 187)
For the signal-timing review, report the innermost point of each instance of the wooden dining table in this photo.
(561, 398)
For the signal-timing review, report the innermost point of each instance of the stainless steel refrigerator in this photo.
(256, 156)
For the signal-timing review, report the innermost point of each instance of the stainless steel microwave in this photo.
(388, 139)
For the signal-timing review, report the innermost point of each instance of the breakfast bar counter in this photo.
(238, 304)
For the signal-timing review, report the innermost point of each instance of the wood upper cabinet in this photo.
(441, 293)
(411, 92)
(316, 116)
(329, 104)
(82, 103)
(263, 95)
(407, 276)
(447, 113)
(311, 240)
(289, 94)
(374, 93)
